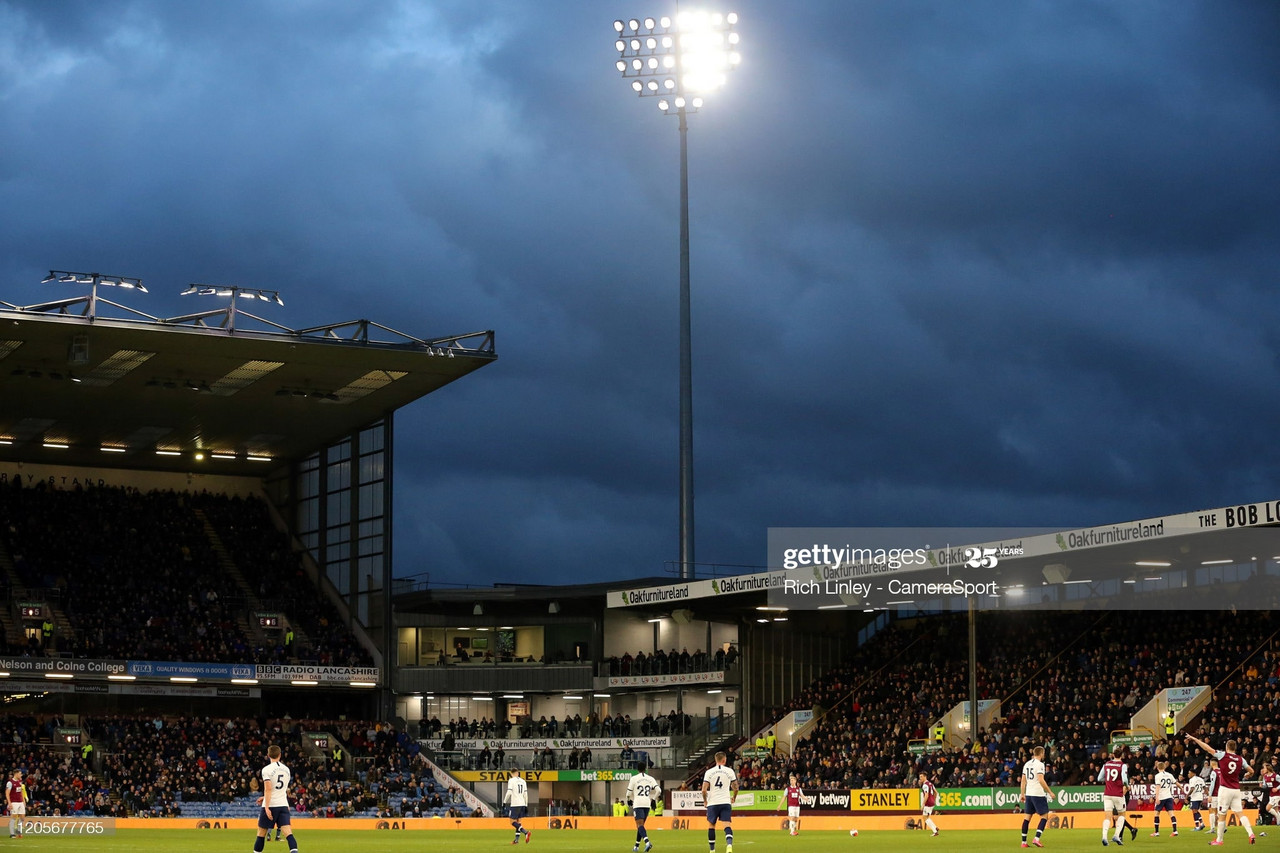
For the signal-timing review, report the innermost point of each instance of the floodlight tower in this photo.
(678, 62)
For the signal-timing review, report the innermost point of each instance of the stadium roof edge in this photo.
(150, 394)
(1113, 551)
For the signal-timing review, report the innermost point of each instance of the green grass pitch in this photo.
(597, 841)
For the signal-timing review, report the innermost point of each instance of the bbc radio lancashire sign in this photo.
(323, 674)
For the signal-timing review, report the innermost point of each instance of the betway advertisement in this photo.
(895, 800)
(814, 800)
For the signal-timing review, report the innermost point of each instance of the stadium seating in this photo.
(173, 594)
(1065, 679)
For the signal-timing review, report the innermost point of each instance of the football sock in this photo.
(1026, 823)
(1106, 828)
(1044, 821)
(728, 836)
(293, 842)
(711, 840)
(259, 844)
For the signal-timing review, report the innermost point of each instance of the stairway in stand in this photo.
(249, 627)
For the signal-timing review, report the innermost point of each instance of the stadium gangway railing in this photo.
(704, 734)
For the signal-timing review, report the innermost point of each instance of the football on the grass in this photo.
(853, 832)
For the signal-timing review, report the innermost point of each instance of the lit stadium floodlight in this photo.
(679, 62)
(691, 56)
(92, 279)
(233, 293)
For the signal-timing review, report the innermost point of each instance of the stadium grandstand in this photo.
(195, 554)
(1084, 642)
(196, 561)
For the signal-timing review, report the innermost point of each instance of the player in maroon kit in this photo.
(1114, 777)
(15, 795)
(928, 799)
(791, 796)
(1231, 768)
(1211, 798)
(1270, 782)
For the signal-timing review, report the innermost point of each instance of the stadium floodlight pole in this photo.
(229, 313)
(678, 62)
(92, 279)
(973, 667)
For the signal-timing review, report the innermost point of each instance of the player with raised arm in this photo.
(1035, 795)
(1196, 787)
(719, 790)
(1230, 768)
(274, 801)
(517, 802)
(1114, 777)
(1163, 798)
(15, 797)
(928, 799)
(642, 791)
(791, 799)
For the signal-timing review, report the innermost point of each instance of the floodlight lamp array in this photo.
(93, 278)
(680, 60)
(233, 291)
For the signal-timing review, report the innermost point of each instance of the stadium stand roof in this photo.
(214, 392)
(1177, 561)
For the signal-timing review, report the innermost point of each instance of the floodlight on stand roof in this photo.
(226, 317)
(90, 303)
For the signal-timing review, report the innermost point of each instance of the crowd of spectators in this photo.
(153, 766)
(159, 763)
(169, 597)
(407, 795)
(387, 749)
(157, 766)
(592, 726)
(675, 662)
(275, 572)
(60, 782)
(1068, 684)
(166, 599)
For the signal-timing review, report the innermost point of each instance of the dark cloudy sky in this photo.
(954, 263)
